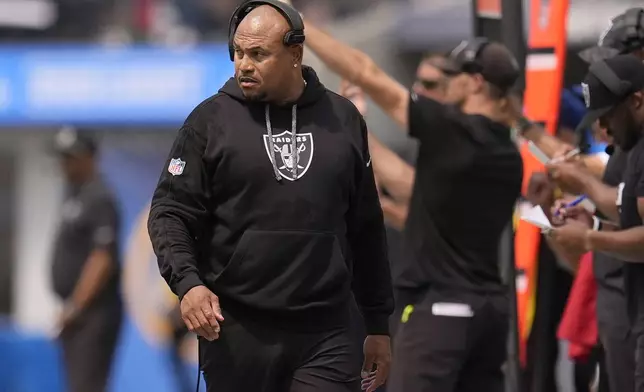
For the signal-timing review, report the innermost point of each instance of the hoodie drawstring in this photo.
(294, 152)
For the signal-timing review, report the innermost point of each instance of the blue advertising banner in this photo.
(53, 85)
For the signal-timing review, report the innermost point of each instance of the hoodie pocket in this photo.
(286, 270)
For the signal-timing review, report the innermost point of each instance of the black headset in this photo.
(294, 37)
(632, 24)
(609, 79)
(467, 54)
(634, 21)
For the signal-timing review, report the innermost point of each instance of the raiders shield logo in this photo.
(586, 91)
(284, 157)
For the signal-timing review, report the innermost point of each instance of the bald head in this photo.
(264, 21)
(263, 64)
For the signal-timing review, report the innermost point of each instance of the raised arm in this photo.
(549, 144)
(393, 173)
(395, 214)
(360, 69)
(553, 146)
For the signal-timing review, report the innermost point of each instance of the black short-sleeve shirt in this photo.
(630, 191)
(468, 179)
(608, 270)
(88, 220)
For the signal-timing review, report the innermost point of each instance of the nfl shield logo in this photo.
(176, 166)
(586, 91)
(284, 156)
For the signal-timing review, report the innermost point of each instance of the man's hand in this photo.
(569, 176)
(201, 312)
(377, 358)
(354, 94)
(567, 153)
(67, 316)
(561, 214)
(541, 190)
(573, 236)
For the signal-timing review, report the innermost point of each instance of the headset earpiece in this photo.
(634, 24)
(469, 52)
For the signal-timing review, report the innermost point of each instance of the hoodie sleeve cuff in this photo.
(377, 324)
(186, 283)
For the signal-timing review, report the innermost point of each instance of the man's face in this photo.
(430, 82)
(639, 53)
(262, 63)
(624, 122)
(458, 88)
(73, 167)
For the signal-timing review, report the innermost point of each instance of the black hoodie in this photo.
(267, 245)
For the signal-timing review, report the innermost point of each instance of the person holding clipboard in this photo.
(615, 97)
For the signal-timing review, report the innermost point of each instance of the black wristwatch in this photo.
(523, 124)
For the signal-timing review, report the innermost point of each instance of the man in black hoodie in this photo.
(264, 234)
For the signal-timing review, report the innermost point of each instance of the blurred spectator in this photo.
(67, 20)
(209, 18)
(168, 21)
(81, 19)
(85, 267)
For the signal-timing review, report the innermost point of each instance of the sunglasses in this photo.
(450, 72)
(429, 84)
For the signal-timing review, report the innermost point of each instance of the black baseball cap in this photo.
(608, 83)
(70, 141)
(624, 34)
(492, 60)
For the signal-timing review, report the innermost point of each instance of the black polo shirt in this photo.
(608, 270)
(88, 220)
(468, 179)
(633, 188)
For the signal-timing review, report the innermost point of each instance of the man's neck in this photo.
(86, 178)
(293, 93)
(484, 107)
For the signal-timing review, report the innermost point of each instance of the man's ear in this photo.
(297, 51)
(478, 84)
(637, 100)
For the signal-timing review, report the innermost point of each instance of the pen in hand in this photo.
(570, 154)
(573, 203)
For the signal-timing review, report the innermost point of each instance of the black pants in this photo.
(250, 356)
(619, 357)
(88, 348)
(553, 287)
(451, 342)
(585, 372)
(639, 361)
